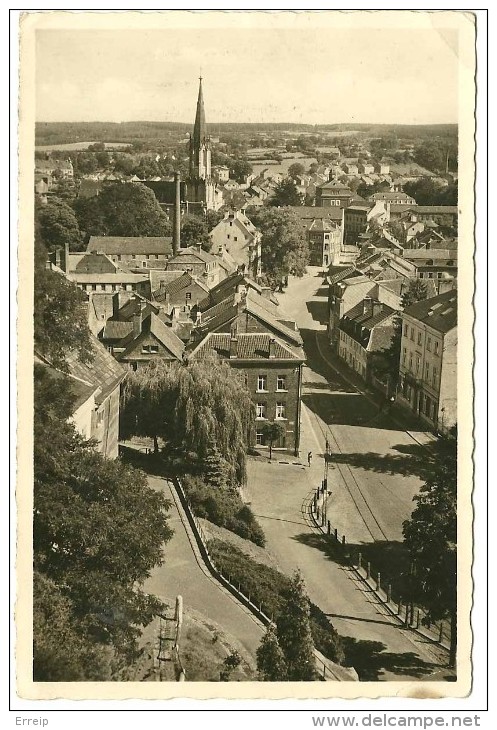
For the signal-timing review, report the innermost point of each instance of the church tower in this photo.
(200, 146)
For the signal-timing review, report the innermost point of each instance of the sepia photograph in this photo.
(246, 271)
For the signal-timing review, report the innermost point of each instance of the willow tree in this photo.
(192, 406)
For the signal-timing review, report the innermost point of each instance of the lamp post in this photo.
(327, 457)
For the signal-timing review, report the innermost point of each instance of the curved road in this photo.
(184, 573)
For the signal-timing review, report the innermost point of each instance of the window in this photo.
(410, 361)
(427, 371)
(235, 238)
(428, 344)
(437, 344)
(404, 356)
(406, 329)
(434, 377)
(418, 361)
(259, 438)
(188, 296)
(150, 349)
(419, 338)
(412, 334)
(261, 383)
(228, 236)
(281, 382)
(231, 224)
(260, 410)
(280, 410)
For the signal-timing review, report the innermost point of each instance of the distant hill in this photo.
(54, 133)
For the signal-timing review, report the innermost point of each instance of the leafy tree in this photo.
(427, 192)
(232, 661)
(122, 209)
(391, 355)
(271, 663)
(239, 169)
(272, 431)
(60, 323)
(58, 225)
(284, 244)
(212, 218)
(194, 230)
(215, 469)
(430, 535)
(98, 529)
(191, 406)
(294, 632)
(124, 163)
(296, 169)
(61, 651)
(285, 193)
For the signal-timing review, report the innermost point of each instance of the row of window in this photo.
(416, 370)
(425, 404)
(150, 349)
(261, 410)
(262, 383)
(436, 343)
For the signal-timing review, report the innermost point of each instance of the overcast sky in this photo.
(326, 75)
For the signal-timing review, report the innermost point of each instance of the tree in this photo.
(284, 244)
(98, 530)
(192, 406)
(285, 193)
(430, 535)
(272, 431)
(122, 209)
(294, 632)
(426, 191)
(60, 323)
(391, 355)
(271, 663)
(193, 231)
(215, 469)
(239, 169)
(58, 225)
(296, 169)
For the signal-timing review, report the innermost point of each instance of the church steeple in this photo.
(200, 153)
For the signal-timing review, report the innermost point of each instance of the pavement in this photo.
(184, 573)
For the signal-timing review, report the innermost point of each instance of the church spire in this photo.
(199, 130)
(200, 153)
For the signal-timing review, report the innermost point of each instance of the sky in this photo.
(316, 76)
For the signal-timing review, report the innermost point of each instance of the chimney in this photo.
(177, 214)
(272, 344)
(377, 308)
(137, 323)
(233, 340)
(115, 304)
(367, 305)
(266, 292)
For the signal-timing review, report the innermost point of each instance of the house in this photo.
(133, 251)
(55, 168)
(366, 168)
(186, 290)
(256, 338)
(398, 198)
(433, 263)
(442, 215)
(428, 360)
(350, 169)
(237, 235)
(139, 332)
(325, 240)
(333, 193)
(97, 272)
(198, 262)
(382, 168)
(237, 282)
(221, 173)
(364, 331)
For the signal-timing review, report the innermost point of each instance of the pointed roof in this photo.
(199, 129)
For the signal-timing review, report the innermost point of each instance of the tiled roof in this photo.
(430, 253)
(338, 188)
(103, 372)
(452, 209)
(344, 272)
(79, 389)
(120, 277)
(177, 285)
(333, 212)
(359, 325)
(166, 335)
(249, 346)
(192, 255)
(439, 312)
(131, 244)
(322, 225)
(163, 277)
(114, 330)
(392, 196)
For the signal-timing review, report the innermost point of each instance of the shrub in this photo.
(224, 507)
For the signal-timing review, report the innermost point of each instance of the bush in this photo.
(224, 508)
(267, 587)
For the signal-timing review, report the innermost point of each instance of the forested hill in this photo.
(50, 133)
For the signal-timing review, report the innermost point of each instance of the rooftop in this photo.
(439, 312)
(249, 346)
(123, 245)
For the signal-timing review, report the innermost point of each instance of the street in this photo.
(372, 485)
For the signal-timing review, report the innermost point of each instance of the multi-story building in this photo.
(254, 336)
(237, 235)
(333, 193)
(133, 251)
(325, 239)
(197, 262)
(364, 331)
(398, 198)
(428, 360)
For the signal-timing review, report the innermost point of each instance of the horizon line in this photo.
(214, 124)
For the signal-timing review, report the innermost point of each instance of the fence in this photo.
(327, 669)
(408, 614)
